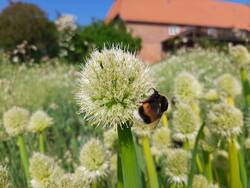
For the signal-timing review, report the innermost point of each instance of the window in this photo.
(173, 30)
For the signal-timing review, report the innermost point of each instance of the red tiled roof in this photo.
(209, 13)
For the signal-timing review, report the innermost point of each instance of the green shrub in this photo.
(99, 35)
(26, 22)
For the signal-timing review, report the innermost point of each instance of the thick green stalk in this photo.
(151, 170)
(243, 172)
(119, 172)
(208, 166)
(42, 142)
(194, 153)
(24, 157)
(130, 170)
(235, 181)
(246, 87)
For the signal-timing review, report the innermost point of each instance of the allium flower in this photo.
(209, 142)
(185, 123)
(200, 181)
(39, 121)
(240, 55)
(15, 121)
(44, 171)
(229, 85)
(186, 87)
(220, 160)
(176, 166)
(111, 139)
(225, 120)
(94, 160)
(73, 181)
(5, 180)
(112, 85)
(211, 95)
(161, 140)
(141, 130)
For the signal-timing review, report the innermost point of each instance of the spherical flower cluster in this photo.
(94, 162)
(220, 160)
(200, 181)
(240, 55)
(15, 121)
(112, 85)
(44, 171)
(211, 95)
(161, 140)
(141, 130)
(225, 120)
(39, 121)
(209, 142)
(186, 87)
(111, 139)
(75, 180)
(5, 180)
(185, 123)
(176, 166)
(229, 85)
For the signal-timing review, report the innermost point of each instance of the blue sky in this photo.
(84, 10)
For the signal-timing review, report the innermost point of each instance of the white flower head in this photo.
(185, 123)
(176, 166)
(39, 121)
(111, 139)
(15, 121)
(240, 55)
(186, 87)
(5, 180)
(161, 140)
(44, 171)
(211, 95)
(94, 162)
(200, 181)
(112, 85)
(229, 85)
(225, 120)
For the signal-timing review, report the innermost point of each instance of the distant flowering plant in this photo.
(225, 120)
(229, 85)
(39, 121)
(112, 84)
(240, 55)
(94, 163)
(5, 180)
(15, 121)
(187, 88)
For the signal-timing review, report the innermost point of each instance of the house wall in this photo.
(152, 36)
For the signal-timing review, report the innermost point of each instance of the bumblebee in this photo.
(152, 108)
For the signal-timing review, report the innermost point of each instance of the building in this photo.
(158, 21)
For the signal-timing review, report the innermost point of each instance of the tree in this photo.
(26, 22)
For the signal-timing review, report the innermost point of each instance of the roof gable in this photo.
(210, 13)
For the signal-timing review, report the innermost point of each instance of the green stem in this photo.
(94, 184)
(208, 166)
(194, 153)
(243, 172)
(130, 169)
(235, 180)
(42, 142)
(24, 157)
(151, 170)
(246, 87)
(119, 172)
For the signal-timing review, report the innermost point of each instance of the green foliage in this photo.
(100, 34)
(26, 22)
